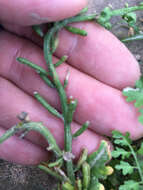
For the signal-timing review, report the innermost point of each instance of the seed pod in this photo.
(109, 170)
(101, 187)
(67, 186)
(79, 184)
(86, 175)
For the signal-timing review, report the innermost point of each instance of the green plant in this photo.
(135, 94)
(130, 162)
(92, 170)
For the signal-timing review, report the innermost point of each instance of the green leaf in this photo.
(125, 167)
(97, 160)
(140, 118)
(101, 156)
(139, 83)
(120, 152)
(95, 185)
(130, 18)
(120, 139)
(136, 94)
(130, 185)
(140, 151)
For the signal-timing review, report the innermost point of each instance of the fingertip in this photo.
(37, 12)
(21, 151)
(57, 10)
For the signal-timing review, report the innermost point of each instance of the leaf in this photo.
(95, 184)
(140, 118)
(130, 185)
(136, 94)
(120, 152)
(125, 167)
(97, 160)
(139, 83)
(120, 139)
(101, 156)
(140, 151)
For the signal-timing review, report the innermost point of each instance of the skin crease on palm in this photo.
(100, 67)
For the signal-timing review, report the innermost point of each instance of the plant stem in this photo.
(50, 172)
(32, 65)
(8, 134)
(133, 38)
(35, 126)
(136, 160)
(48, 39)
(126, 10)
(51, 109)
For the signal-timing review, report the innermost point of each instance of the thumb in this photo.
(30, 12)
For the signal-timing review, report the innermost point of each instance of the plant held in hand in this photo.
(90, 170)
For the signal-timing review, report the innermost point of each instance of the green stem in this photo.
(76, 30)
(126, 10)
(68, 148)
(63, 98)
(136, 160)
(8, 134)
(63, 59)
(81, 130)
(32, 65)
(48, 57)
(50, 172)
(133, 38)
(34, 126)
(57, 83)
(38, 30)
(51, 109)
(46, 80)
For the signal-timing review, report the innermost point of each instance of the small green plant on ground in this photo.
(91, 171)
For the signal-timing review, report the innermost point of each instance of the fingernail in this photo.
(37, 17)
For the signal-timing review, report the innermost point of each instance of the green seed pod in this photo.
(101, 187)
(76, 30)
(67, 186)
(71, 109)
(86, 175)
(79, 184)
(109, 170)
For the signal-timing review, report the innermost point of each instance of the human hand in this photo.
(100, 66)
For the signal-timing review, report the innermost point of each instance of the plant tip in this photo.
(35, 92)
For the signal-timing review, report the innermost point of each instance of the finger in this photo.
(16, 101)
(30, 12)
(100, 55)
(102, 105)
(21, 151)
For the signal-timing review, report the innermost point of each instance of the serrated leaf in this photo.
(120, 139)
(130, 185)
(125, 167)
(136, 94)
(139, 83)
(140, 151)
(120, 152)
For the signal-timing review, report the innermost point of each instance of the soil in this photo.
(18, 177)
